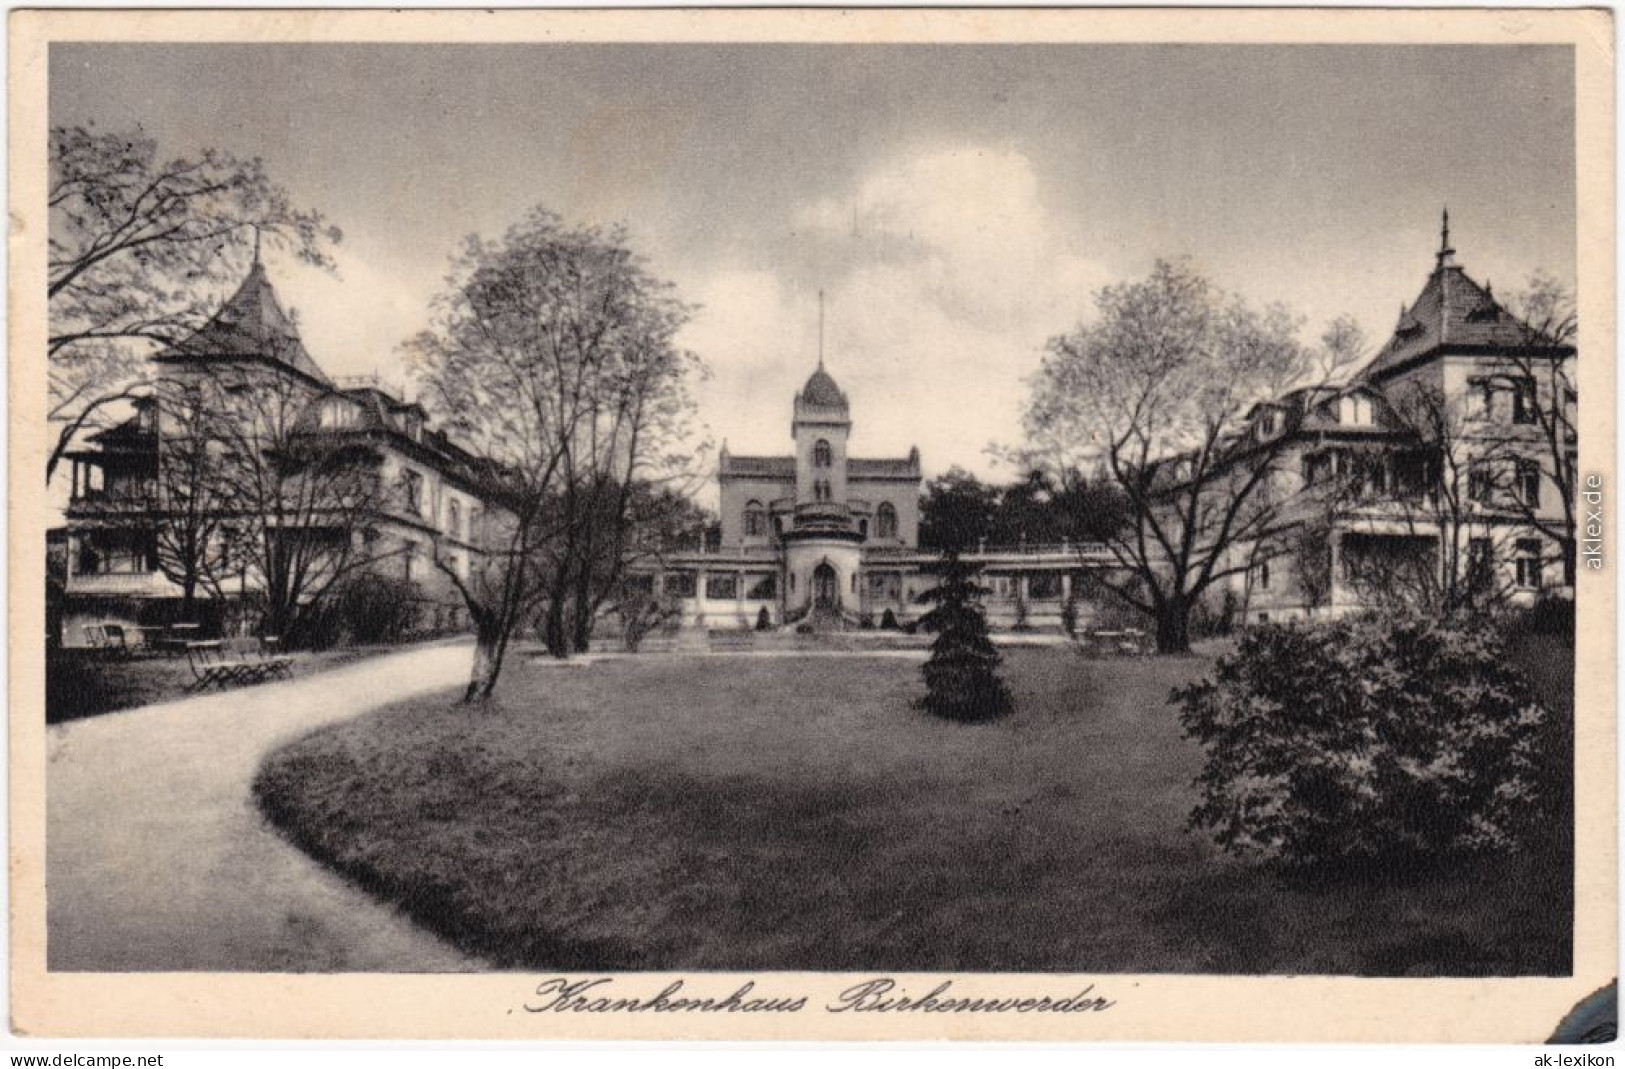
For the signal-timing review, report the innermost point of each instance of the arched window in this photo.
(755, 519)
(454, 519)
(821, 454)
(885, 521)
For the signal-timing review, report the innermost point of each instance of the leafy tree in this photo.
(552, 359)
(957, 510)
(961, 675)
(1155, 393)
(135, 259)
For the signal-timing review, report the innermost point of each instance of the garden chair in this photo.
(277, 663)
(118, 643)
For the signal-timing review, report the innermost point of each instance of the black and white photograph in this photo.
(780, 524)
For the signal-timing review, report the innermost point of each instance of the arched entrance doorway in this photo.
(824, 588)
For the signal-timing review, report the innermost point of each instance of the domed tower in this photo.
(821, 427)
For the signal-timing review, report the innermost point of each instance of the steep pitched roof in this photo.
(250, 324)
(1451, 311)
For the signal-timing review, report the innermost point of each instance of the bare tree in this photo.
(1438, 501)
(194, 496)
(1547, 320)
(135, 259)
(552, 360)
(301, 499)
(1157, 392)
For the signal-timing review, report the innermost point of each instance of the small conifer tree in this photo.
(961, 676)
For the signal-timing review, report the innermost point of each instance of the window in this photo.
(1523, 400)
(1264, 575)
(638, 586)
(863, 528)
(1480, 484)
(721, 587)
(1480, 562)
(1481, 399)
(454, 518)
(763, 587)
(412, 486)
(885, 521)
(1044, 586)
(1354, 410)
(679, 584)
(338, 414)
(1378, 477)
(410, 560)
(755, 520)
(1528, 563)
(821, 454)
(1529, 483)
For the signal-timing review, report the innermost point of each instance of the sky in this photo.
(958, 205)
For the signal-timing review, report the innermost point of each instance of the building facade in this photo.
(1442, 475)
(828, 539)
(297, 480)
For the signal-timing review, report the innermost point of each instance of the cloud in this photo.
(945, 271)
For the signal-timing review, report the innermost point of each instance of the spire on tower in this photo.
(820, 330)
(1446, 253)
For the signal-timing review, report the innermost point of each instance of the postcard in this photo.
(1049, 525)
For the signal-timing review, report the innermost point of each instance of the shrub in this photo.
(961, 675)
(1363, 741)
(1548, 616)
(1069, 616)
(888, 621)
(371, 608)
(764, 621)
(866, 622)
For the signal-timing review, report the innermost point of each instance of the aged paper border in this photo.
(1148, 1007)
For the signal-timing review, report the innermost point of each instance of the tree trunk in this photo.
(482, 678)
(555, 635)
(1173, 626)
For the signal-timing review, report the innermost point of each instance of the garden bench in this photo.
(732, 640)
(235, 660)
(1129, 640)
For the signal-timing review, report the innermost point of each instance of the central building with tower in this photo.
(825, 538)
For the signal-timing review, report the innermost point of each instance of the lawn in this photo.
(748, 812)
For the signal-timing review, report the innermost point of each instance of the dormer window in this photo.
(1354, 410)
(821, 454)
(338, 414)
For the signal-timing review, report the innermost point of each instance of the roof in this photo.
(883, 468)
(250, 324)
(856, 467)
(1451, 311)
(768, 467)
(821, 391)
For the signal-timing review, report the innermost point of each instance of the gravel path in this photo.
(158, 859)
